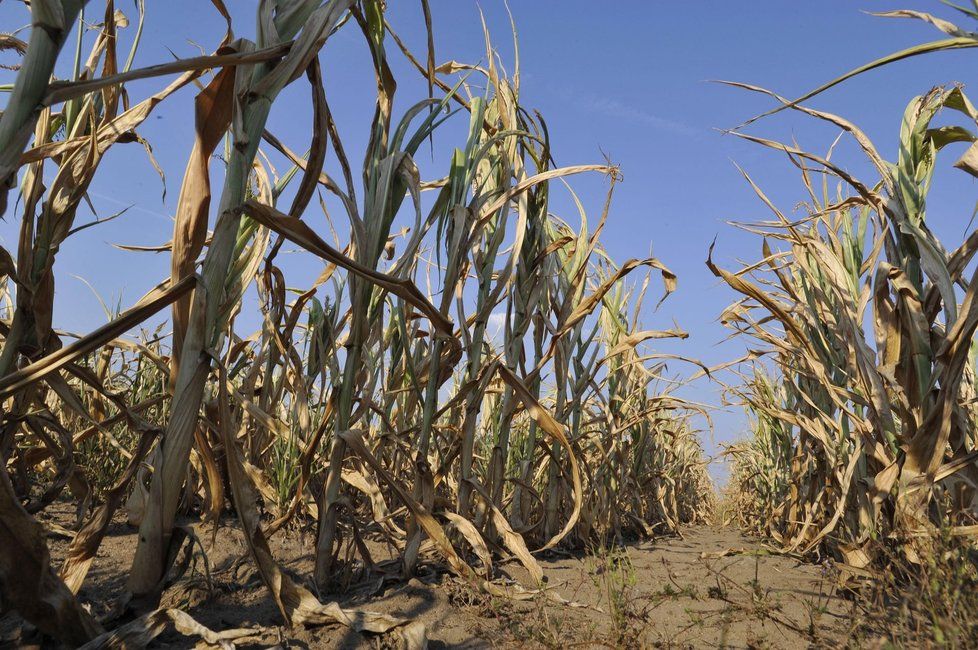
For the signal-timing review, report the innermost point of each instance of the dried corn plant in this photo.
(365, 407)
(864, 421)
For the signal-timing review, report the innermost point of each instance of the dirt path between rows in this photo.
(672, 592)
(688, 591)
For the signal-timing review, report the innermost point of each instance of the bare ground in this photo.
(677, 592)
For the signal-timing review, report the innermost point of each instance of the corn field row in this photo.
(862, 378)
(379, 404)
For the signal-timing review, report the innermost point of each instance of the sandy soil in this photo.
(688, 593)
(676, 592)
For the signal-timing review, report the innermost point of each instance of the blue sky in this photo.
(629, 80)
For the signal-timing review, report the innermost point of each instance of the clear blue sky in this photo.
(629, 79)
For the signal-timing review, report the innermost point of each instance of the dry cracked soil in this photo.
(710, 587)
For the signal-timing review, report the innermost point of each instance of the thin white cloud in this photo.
(610, 106)
(132, 206)
(495, 326)
(615, 108)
